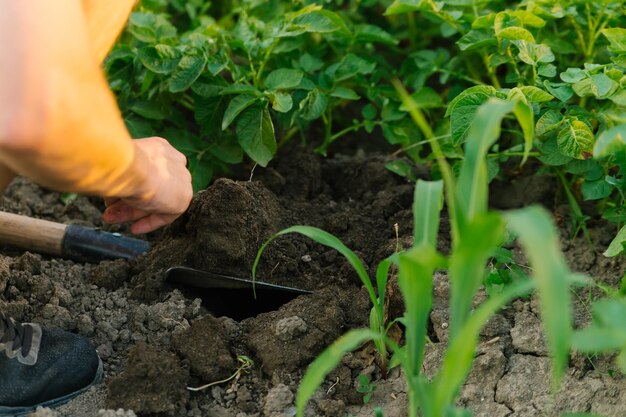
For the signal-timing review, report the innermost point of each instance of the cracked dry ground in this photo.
(156, 339)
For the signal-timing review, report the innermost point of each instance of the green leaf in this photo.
(596, 190)
(467, 264)
(598, 85)
(138, 127)
(427, 204)
(350, 66)
(551, 154)
(240, 89)
(226, 149)
(402, 168)
(536, 94)
(459, 356)
(617, 39)
(528, 18)
(201, 171)
(209, 112)
(607, 331)
(416, 268)
(344, 93)
(616, 246)
(310, 63)
(255, 133)
(514, 33)
(321, 21)
(463, 107)
(533, 54)
(314, 105)
(324, 238)
(610, 142)
(425, 98)
(541, 243)
(619, 98)
(281, 101)
(148, 109)
(575, 139)
(326, 362)
(573, 75)
(559, 90)
(283, 79)
(405, 6)
(548, 122)
(475, 39)
(369, 112)
(162, 59)
(584, 167)
(471, 189)
(235, 107)
(188, 70)
(546, 70)
(371, 33)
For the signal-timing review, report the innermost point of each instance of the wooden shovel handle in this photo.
(31, 234)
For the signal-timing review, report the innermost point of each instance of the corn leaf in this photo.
(479, 239)
(417, 266)
(459, 356)
(538, 236)
(427, 204)
(326, 239)
(326, 362)
(471, 188)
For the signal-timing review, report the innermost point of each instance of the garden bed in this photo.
(155, 339)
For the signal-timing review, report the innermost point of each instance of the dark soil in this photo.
(156, 338)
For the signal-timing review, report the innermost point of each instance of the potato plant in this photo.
(244, 77)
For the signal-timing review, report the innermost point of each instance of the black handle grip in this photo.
(89, 244)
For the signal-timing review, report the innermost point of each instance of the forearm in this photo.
(59, 123)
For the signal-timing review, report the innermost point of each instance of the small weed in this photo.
(366, 387)
(245, 364)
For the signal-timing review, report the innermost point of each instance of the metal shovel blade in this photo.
(210, 280)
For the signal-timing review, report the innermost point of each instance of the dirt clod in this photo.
(204, 345)
(154, 382)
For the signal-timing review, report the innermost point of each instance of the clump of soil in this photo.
(152, 383)
(289, 338)
(205, 347)
(221, 232)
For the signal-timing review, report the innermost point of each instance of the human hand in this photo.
(162, 196)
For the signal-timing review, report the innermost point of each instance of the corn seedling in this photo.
(476, 234)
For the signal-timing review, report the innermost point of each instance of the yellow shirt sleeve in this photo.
(59, 122)
(105, 20)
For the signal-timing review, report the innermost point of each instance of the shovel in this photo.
(235, 297)
(211, 280)
(67, 241)
(93, 245)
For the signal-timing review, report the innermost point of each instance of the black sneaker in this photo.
(42, 367)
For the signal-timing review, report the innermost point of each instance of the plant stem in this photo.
(446, 170)
(579, 217)
(492, 75)
(512, 153)
(268, 53)
(412, 29)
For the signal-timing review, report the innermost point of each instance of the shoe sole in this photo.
(24, 411)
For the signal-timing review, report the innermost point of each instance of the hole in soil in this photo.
(238, 304)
